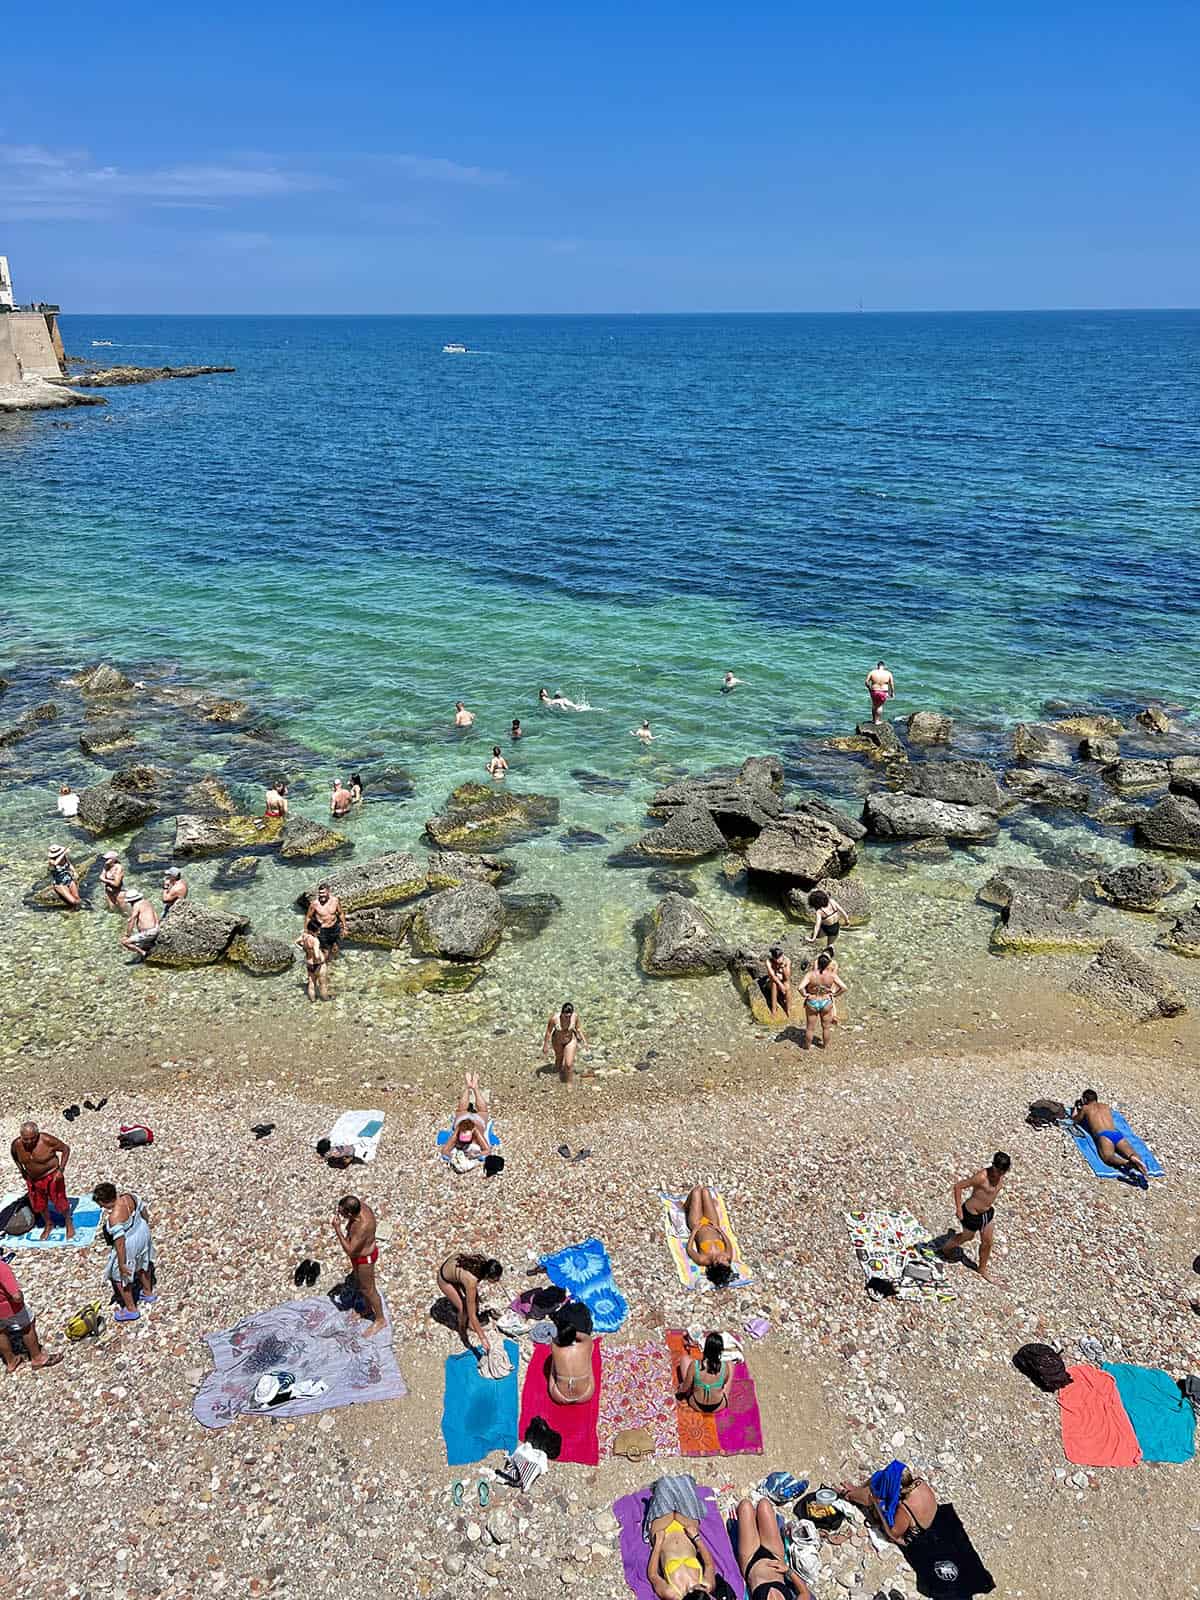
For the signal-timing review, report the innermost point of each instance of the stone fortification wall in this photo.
(26, 347)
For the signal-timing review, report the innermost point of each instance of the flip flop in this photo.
(458, 1492)
(50, 1361)
(312, 1273)
(96, 1105)
(71, 1113)
(564, 1151)
(300, 1276)
(582, 1155)
(485, 1495)
(261, 1130)
(127, 1316)
(148, 1300)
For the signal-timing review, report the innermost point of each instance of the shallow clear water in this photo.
(356, 529)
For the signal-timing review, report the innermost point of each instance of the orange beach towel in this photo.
(1096, 1430)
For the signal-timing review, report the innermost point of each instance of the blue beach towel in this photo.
(479, 1414)
(1087, 1149)
(87, 1221)
(1162, 1418)
(445, 1136)
(885, 1486)
(586, 1271)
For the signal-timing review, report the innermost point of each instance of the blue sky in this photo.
(621, 158)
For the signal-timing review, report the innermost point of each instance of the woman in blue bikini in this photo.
(820, 987)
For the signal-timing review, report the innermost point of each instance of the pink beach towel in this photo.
(1096, 1430)
(576, 1424)
(735, 1431)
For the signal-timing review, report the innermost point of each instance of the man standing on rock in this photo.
(327, 920)
(881, 686)
(977, 1212)
(42, 1160)
(1113, 1148)
(354, 1225)
(174, 888)
(142, 928)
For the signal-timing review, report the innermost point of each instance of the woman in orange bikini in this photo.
(708, 1245)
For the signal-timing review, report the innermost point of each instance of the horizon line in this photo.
(847, 311)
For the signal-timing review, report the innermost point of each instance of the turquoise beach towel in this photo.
(586, 1271)
(87, 1221)
(1162, 1418)
(479, 1414)
(444, 1136)
(1087, 1149)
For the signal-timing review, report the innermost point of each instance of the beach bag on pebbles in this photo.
(1042, 1366)
(16, 1219)
(1045, 1113)
(129, 1138)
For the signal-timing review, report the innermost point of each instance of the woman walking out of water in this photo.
(564, 1032)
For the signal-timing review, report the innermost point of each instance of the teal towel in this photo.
(1162, 1417)
(479, 1414)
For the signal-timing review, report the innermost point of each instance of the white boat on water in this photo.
(454, 349)
(97, 342)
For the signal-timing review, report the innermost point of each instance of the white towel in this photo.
(348, 1130)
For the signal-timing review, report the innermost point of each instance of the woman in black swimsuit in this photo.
(762, 1558)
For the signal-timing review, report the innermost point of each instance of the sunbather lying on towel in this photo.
(471, 1119)
(762, 1558)
(1113, 1148)
(569, 1377)
(703, 1381)
(708, 1245)
(681, 1566)
(896, 1502)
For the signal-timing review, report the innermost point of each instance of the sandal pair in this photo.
(306, 1274)
(459, 1490)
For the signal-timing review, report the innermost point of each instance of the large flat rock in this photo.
(1119, 979)
(891, 815)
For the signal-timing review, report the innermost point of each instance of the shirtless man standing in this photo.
(462, 717)
(977, 1212)
(327, 920)
(340, 800)
(42, 1160)
(1113, 1148)
(643, 733)
(174, 888)
(881, 686)
(142, 928)
(276, 804)
(113, 878)
(354, 1225)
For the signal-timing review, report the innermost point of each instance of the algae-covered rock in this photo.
(195, 935)
(1172, 824)
(1183, 939)
(216, 835)
(225, 711)
(1119, 979)
(208, 794)
(881, 737)
(236, 871)
(478, 816)
(1053, 888)
(929, 727)
(388, 783)
(446, 869)
(891, 815)
(1031, 926)
(141, 777)
(462, 924)
(1091, 725)
(108, 739)
(385, 926)
(382, 881)
(680, 941)
(303, 839)
(801, 849)
(105, 809)
(688, 835)
(1140, 886)
(260, 953)
(432, 977)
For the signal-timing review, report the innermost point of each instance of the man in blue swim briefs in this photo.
(976, 1214)
(1113, 1148)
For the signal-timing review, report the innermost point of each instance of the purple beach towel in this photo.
(635, 1552)
(311, 1339)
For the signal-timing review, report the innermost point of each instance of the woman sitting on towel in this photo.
(762, 1558)
(569, 1378)
(708, 1245)
(459, 1277)
(681, 1565)
(703, 1381)
(471, 1119)
(899, 1504)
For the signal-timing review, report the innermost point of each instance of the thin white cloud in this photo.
(436, 169)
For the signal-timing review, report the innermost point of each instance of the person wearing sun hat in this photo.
(112, 876)
(142, 928)
(62, 877)
(174, 888)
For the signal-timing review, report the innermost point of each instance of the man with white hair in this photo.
(41, 1159)
(142, 928)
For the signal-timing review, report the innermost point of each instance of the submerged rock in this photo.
(1059, 889)
(479, 815)
(226, 711)
(962, 783)
(528, 915)
(889, 814)
(1119, 979)
(195, 935)
(235, 872)
(102, 679)
(1141, 886)
(208, 794)
(1184, 938)
(598, 782)
(1138, 774)
(1039, 788)
(105, 809)
(1120, 814)
(462, 924)
(432, 977)
(385, 926)
(800, 850)
(1154, 719)
(303, 839)
(1031, 926)
(580, 839)
(383, 881)
(446, 869)
(1173, 824)
(260, 954)
(217, 835)
(672, 883)
(108, 739)
(929, 727)
(392, 783)
(689, 835)
(680, 941)
(141, 778)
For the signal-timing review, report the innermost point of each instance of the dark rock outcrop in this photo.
(961, 783)
(260, 953)
(1138, 774)
(104, 809)
(386, 926)
(1184, 938)
(741, 803)
(1140, 886)
(390, 783)
(1032, 742)
(107, 739)
(1119, 979)
(672, 883)
(1058, 889)
(581, 839)
(1173, 824)
(195, 935)
(462, 924)
(235, 872)
(929, 727)
(1185, 781)
(122, 377)
(1102, 751)
(1154, 719)
(688, 835)
(598, 782)
(1120, 814)
(208, 794)
(102, 679)
(680, 941)
(383, 881)
(881, 736)
(302, 839)
(141, 778)
(217, 835)
(1039, 788)
(1031, 926)
(528, 915)
(221, 710)
(479, 816)
(811, 805)
(799, 850)
(889, 814)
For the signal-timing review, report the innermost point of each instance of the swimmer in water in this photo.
(729, 683)
(462, 717)
(643, 733)
(497, 766)
(558, 700)
(517, 731)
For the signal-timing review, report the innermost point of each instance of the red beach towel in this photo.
(735, 1431)
(577, 1424)
(1096, 1430)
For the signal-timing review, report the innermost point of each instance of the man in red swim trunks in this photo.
(881, 686)
(354, 1224)
(42, 1160)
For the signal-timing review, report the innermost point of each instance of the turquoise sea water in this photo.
(356, 529)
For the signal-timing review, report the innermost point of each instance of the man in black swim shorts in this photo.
(976, 1214)
(327, 920)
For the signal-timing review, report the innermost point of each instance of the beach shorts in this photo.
(18, 1322)
(328, 938)
(879, 697)
(143, 939)
(976, 1221)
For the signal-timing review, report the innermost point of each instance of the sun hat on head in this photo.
(132, 895)
(173, 872)
(58, 852)
(111, 855)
